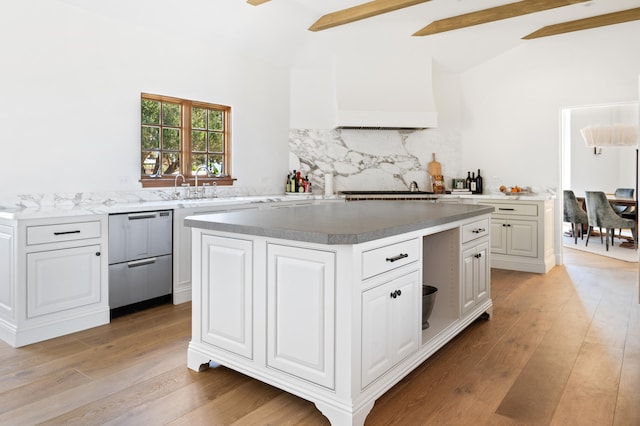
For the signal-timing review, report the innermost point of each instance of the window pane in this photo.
(199, 118)
(199, 141)
(150, 112)
(170, 114)
(197, 161)
(215, 120)
(150, 137)
(170, 163)
(171, 139)
(215, 142)
(150, 163)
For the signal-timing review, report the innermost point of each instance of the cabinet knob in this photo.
(97, 253)
(395, 294)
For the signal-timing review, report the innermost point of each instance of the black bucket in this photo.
(428, 299)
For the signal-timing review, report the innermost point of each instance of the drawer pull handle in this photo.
(398, 257)
(142, 216)
(505, 209)
(478, 230)
(395, 294)
(77, 231)
(478, 256)
(141, 262)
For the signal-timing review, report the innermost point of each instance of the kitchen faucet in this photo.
(413, 187)
(176, 194)
(205, 168)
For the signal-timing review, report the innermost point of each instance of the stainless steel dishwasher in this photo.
(140, 260)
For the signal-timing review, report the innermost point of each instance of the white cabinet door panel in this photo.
(62, 279)
(227, 294)
(301, 312)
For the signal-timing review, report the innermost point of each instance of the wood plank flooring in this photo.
(562, 349)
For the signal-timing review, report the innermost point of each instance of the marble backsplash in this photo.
(357, 159)
(367, 159)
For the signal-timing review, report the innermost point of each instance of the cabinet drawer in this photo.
(44, 234)
(386, 258)
(475, 230)
(515, 209)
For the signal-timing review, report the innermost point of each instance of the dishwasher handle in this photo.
(142, 262)
(136, 216)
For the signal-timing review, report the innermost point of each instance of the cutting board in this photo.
(435, 168)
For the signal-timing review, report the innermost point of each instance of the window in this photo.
(178, 136)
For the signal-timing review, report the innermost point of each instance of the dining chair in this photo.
(574, 214)
(627, 212)
(602, 215)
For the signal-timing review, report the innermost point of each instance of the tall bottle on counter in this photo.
(472, 186)
(478, 183)
(467, 183)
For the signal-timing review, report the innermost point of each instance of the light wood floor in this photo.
(562, 349)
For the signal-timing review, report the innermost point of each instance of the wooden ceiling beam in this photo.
(361, 11)
(587, 23)
(497, 13)
(256, 2)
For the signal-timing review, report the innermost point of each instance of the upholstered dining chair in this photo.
(602, 215)
(574, 214)
(627, 212)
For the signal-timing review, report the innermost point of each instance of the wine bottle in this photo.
(473, 183)
(479, 183)
(467, 183)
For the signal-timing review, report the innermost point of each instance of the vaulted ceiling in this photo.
(461, 32)
(486, 15)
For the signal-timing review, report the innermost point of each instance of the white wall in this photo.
(511, 104)
(71, 83)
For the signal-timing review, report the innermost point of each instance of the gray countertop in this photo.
(340, 223)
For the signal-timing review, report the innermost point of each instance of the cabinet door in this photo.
(468, 279)
(498, 236)
(301, 312)
(63, 279)
(377, 353)
(523, 238)
(407, 310)
(475, 275)
(227, 284)
(483, 270)
(391, 321)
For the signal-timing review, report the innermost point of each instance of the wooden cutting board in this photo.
(434, 167)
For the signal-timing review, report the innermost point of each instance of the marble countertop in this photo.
(70, 207)
(83, 209)
(339, 223)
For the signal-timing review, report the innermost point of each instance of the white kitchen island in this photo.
(325, 301)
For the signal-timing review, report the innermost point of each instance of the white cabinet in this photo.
(54, 277)
(514, 237)
(301, 312)
(522, 234)
(390, 323)
(475, 265)
(475, 275)
(63, 279)
(226, 286)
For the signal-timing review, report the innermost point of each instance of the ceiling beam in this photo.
(361, 11)
(256, 2)
(587, 23)
(497, 13)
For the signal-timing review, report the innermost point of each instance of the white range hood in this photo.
(383, 92)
